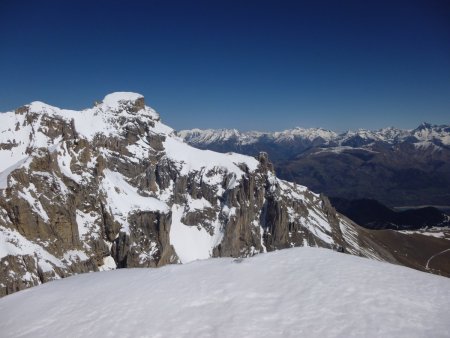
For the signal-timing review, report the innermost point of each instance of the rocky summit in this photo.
(113, 187)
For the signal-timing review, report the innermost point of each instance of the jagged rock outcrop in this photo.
(112, 187)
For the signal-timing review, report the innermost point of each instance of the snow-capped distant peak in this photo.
(208, 136)
(429, 132)
(305, 133)
(391, 135)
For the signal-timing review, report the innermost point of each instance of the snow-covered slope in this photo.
(290, 293)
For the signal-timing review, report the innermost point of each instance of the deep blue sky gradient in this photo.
(262, 65)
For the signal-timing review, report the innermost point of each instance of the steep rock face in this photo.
(112, 187)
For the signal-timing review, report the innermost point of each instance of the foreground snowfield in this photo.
(295, 292)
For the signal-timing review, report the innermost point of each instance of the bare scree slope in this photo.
(112, 187)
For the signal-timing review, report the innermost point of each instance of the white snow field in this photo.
(299, 292)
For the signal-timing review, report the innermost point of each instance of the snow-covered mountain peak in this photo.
(40, 107)
(211, 135)
(113, 116)
(122, 96)
(118, 100)
(118, 103)
(432, 132)
(307, 133)
(425, 125)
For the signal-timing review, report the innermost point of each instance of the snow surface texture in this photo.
(290, 293)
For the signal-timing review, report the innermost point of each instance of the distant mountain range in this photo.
(395, 166)
(298, 140)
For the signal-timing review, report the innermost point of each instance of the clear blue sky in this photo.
(264, 65)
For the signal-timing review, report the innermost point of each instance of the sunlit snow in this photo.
(300, 292)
